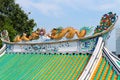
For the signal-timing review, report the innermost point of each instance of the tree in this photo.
(14, 19)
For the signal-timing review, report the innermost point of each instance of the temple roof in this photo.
(83, 58)
(42, 66)
(104, 71)
(52, 66)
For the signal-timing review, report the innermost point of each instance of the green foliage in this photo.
(14, 19)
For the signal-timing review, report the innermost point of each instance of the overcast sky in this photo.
(76, 13)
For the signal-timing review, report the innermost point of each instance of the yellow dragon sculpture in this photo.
(56, 33)
(34, 35)
(69, 32)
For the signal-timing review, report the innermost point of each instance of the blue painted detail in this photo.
(76, 46)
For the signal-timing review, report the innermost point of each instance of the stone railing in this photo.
(77, 46)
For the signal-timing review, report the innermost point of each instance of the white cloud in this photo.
(57, 7)
(106, 6)
(103, 5)
(48, 9)
(97, 5)
(24, 3)
(42, 7)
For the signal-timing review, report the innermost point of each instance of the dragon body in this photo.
(68, 32)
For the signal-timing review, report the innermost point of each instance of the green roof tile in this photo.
(42, 66)
(105, 71)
